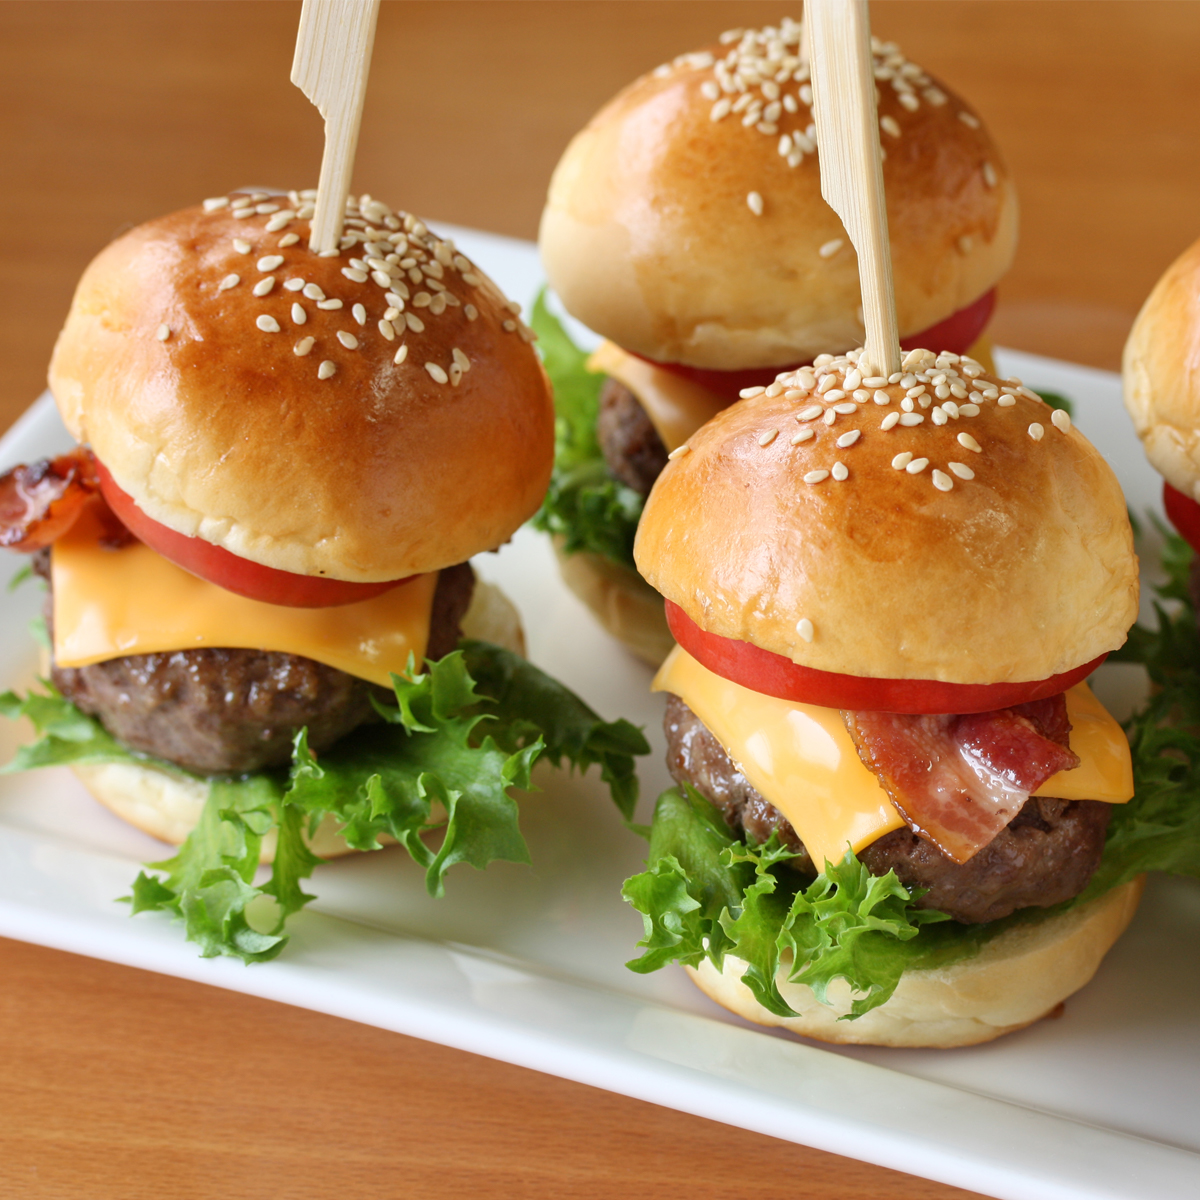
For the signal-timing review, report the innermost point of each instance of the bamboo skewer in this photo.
(333, 58)
(843, 83)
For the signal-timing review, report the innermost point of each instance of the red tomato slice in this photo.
(1184, 514)
(957, 333)
(227, 570)
(774, 675)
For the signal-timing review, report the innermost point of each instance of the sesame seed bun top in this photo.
(687, 232)
(1162, 374)
(364, 416)
(974, 538)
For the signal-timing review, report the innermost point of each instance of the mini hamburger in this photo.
(895, 787)
(685, 225)
(286, 461)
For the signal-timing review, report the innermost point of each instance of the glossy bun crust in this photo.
(648, 236)
(1017, 978)
(1162, 374)
(191, 389)
(1009, 562)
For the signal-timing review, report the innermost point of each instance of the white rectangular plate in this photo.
(525, 964)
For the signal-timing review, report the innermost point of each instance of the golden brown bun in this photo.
(223, 431)
(1017, 978)
(621, 600)
(649, 239)
(1024, 570)
(1162, 374)
(167, 806)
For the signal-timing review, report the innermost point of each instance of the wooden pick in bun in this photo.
(887, 594)
(685, 224)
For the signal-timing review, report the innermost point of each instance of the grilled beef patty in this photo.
(634, 452)
(226, 710)
(1044, 856)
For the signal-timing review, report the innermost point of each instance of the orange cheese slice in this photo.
(802, 759)
(110, 603)
(677, 407)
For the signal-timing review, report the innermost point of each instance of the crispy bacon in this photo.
(959, 780)
(40, 501)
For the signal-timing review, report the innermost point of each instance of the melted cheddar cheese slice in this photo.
(677, 407)
(802, 759)
(110, 603)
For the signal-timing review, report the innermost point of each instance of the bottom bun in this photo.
(1016, 979)
(167, 806)
(622, 601)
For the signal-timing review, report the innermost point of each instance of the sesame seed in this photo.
(989, 174)
(938, 416)
(848, 439)
(280, 221)
(969, 119)
(910, 419)
(299, 316)
(289, 239)
(969, 410)
(890, 421)
(949, 407)
(853, 380)
(679, 452)
(387, 329)
(460, 358)
(816, 476)
(421, 300)
(721, 109)
(767, 437)
(750, 392)
(840, 472)
(1060, 419)
(830, 416)
(359, 313)
(881, 397)
(907, 404)
(961, 470)
(228, 282)
(754, 202)
(215, 202)
(241, 245)
(347, 339)
(827, 382)
(969, 443)
(267, 324)
(163, 332)
(264, 286)
(241, 213)
(265, 210)
(902, 460)
(916, 466)
(804, 627)
(942, 481)
(313, 292)
(844, 409)
(1036, 431)
(414, 322)
(909, 101)
(326, 369)
(401, 354)
(942, 391)
(1006, 401)
(303, 346)
(270, 262)
(293, 285)
(436, 373)
(352, 273)
(803, 436)
(329, 305)
(470, 312)
(830, 248)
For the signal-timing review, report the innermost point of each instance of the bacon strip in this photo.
(959, 780)
(40, 501)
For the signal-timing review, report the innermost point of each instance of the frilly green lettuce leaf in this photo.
(585, 505)
(435, 773)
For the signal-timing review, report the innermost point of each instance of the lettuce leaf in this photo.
(585, 506)
(706, 894)
(436, 773)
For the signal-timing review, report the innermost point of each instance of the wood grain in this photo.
(115, 1083)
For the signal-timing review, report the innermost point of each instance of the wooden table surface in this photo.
(116, 1083)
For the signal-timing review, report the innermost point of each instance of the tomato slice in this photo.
(775, 675)
(957, 333)
(1184, 513)
(226, 569)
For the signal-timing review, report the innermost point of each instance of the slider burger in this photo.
(685, 224)
(286, 459)
(894, 782)
(1162, 398)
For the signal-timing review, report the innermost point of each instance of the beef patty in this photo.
(217, 710)
(634, 452)
(1044, 856)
